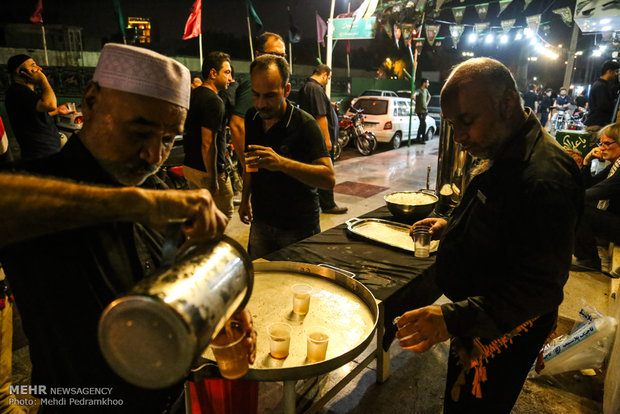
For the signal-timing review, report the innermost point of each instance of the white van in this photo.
(388, 118)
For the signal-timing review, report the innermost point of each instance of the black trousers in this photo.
(326, 197)
(506, 373)
(422, 127)
(595, 223)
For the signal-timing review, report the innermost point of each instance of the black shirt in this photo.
(312, 99)
(206, 109)
(277, 198)
(506, 252)
(602, 100)
(63, 281)
(35, 131)
(529, 99)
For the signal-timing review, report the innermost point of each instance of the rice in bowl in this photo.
(411, 198)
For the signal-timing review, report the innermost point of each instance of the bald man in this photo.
(506, 250)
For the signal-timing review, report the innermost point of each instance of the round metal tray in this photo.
(341, 304)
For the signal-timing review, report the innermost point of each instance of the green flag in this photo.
(119, 13)
(251, 13)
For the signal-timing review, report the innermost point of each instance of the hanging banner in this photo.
(533, 22)
(527, 3)
(407, 29)
(482, 10)
(431, 32)
(347, 28)
(507, 25)
(481, 27)
(397, 33)
(388, 30)
(458, 14)
(502, 5)
(566, 15)
(418, 45)
(438, 4)
(456, 31)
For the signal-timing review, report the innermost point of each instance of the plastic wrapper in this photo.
(586, 346)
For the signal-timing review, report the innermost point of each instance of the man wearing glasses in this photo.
(603, 97)
(601, 217)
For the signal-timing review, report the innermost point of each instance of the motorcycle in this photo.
(352, 129)
(69, 124)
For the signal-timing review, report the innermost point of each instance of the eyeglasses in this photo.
(606, 144)
(282, 55)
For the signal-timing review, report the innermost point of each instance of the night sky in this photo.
(225, 28)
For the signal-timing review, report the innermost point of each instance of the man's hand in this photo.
(245, 319)
(245, 212)
(437, 226)
(258, 156)
(422, 328)
(203, 221)
(595, 153)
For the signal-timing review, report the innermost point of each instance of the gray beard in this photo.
(129, 174)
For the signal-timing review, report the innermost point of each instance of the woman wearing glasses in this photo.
(601, 218)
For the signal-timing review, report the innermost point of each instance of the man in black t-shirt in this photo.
(603, 97)
(314, 100)
(204, 141)
(286, 149)
(530, 99)
(31, 113)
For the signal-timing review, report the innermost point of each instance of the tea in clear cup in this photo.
(318, 338)
(279, 339)
(230, 353)
(301, 298)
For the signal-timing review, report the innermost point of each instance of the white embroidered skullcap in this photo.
(143, 72)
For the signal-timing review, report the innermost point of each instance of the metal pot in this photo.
(411, 211)
(152, 336)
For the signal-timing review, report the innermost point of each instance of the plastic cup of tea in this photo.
(421, 241)
(279, 339)
(230, 353)
(318, 338)
(250, 159)
(301, 298)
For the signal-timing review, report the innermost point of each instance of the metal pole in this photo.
(330, 46)
(414, 63)
(200, 47)
(47, 63)
(568, 73)
(250, 36)
(290, 55)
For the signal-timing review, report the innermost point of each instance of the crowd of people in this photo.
(82, 224)
(596, 107)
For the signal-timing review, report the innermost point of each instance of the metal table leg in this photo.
(383, 357)
(288, 397)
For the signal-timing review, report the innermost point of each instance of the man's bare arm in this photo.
(237, 136)
(34, 206)
(322, 121)
(207, 150)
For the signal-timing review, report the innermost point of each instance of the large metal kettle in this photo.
(152, 336)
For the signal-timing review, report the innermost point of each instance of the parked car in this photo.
(404, 93)
(378, 92)
(434, 111)
(374, 92)
(388, 118)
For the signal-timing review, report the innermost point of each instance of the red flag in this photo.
(321, 29)
(192, 27)
(37, 16)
